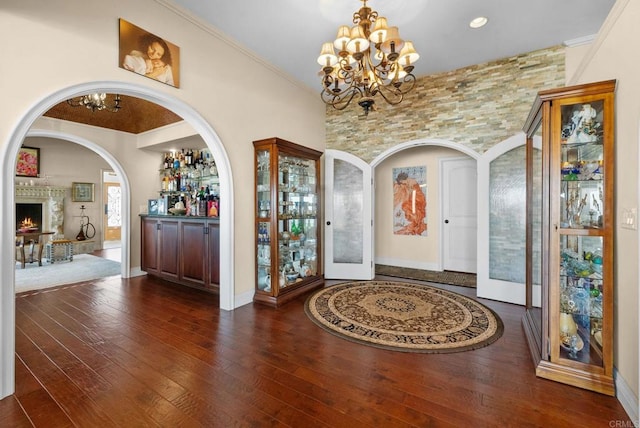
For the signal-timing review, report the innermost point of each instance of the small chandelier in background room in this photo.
(358, 70)
(96, 102)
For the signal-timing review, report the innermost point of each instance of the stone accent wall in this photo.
(477, 106)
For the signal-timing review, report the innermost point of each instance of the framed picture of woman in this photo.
(148, 55)
(28, 164)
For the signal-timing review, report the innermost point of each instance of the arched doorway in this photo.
(20, 132)
(125, 265)
(443, 239)
(366, 187)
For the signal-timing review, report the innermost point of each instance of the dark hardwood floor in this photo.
(143, 352)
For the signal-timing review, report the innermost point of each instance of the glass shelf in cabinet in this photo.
(596, 142)
(296, 217)
(582, 170)
(212, 178)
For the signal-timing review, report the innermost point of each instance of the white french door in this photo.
(348, 217)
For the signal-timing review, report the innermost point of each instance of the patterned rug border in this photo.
(494, 337)
(461, 279)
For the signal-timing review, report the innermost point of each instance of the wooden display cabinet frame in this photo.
(276, 295)
(591, 367)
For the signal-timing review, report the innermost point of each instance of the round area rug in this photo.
(404, 317)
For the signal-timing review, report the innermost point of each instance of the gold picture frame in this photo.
(82, 192)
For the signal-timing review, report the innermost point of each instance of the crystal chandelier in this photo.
(363, 72)
(96, 102)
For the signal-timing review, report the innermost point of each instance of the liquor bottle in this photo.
(216, 205)
(202, 203)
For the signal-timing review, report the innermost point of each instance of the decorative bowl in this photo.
(565, 342)
(292, 276)
(177, 211)
(598, 337)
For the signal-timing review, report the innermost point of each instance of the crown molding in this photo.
(607, 26)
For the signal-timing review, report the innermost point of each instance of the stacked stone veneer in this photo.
(477, 106)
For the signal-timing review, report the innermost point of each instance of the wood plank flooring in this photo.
(143, 352)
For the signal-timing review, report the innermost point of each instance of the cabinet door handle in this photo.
(158, 226)
(328, 223)
(206, 230)
(446, 221)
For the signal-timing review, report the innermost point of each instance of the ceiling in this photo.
(289, 33)
(135, 116)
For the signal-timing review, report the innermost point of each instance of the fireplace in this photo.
(29, 217)
(51, 203)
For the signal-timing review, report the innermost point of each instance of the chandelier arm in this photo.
(394, 94)
(342, 100)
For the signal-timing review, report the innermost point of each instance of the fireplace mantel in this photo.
(40, 192)
(52, 200)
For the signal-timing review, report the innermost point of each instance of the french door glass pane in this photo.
(348, 191)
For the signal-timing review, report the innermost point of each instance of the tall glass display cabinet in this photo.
(569, 281)
(287, 212)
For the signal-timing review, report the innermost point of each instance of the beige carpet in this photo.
(445, 277)
(404, 317)
(84, 267)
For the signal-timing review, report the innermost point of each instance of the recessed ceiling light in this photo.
(478, 22)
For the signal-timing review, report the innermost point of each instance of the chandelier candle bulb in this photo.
(408, 55)
(393, 44)
(327, 57)
(343, 37)
(379, 32)
(359, 42)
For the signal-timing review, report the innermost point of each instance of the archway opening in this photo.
(7, 233)
(440, 240)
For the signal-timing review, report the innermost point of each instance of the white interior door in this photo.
(348, 217)
(459, 214)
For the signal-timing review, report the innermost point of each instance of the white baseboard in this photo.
(626, 397)
(412, 264)
(243, 299)
(136, 271)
